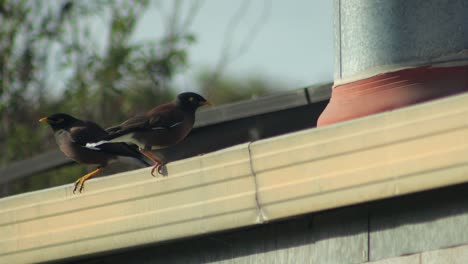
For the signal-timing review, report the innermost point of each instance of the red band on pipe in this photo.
(393, 90)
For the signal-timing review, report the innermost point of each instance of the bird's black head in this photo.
(59, 121)
(191, 101)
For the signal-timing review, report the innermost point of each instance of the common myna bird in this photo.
(73, 134)
(161, 127)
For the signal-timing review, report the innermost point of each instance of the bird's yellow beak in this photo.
(44, 120)
(208, 103)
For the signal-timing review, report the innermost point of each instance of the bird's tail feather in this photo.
(119, 149)
(116, 132)
(113, 129)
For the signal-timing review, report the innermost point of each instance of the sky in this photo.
(293, 44)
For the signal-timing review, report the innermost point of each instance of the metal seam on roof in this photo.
(262, 217)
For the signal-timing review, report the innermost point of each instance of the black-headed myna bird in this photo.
(73, 134)
(161, 127)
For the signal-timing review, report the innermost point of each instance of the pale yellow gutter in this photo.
(408, 150)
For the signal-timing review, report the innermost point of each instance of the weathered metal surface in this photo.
(338, 236)
(412, 259)
(452, 255)
(421, 222)
(377, 36)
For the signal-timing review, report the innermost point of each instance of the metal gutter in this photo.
(385, 155)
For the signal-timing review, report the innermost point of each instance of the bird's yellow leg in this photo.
(157, 163)
(80, 182)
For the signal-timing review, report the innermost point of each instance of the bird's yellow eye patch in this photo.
(191, 99)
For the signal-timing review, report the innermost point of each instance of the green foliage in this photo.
(228, 89)
(97, 85)
(50, 62)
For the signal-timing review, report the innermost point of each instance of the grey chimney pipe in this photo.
(374, 39)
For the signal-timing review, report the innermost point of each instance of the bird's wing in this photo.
(86, 132)
(166, 118)
(130, 124)
(90, 132)
(160, 118)
(119, 149)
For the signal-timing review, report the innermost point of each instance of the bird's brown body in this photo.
(72, 136)
(70, 144)
(161, 127)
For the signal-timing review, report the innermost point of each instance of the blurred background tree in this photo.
(228, 89)
(47, 43)
(51, 61)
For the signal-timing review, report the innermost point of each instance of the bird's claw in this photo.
(160, 169)
(81, 181)
(152, 170)
(78, 183)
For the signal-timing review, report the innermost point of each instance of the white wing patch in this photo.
(95, 145)
(164, 128)
(176, 124)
